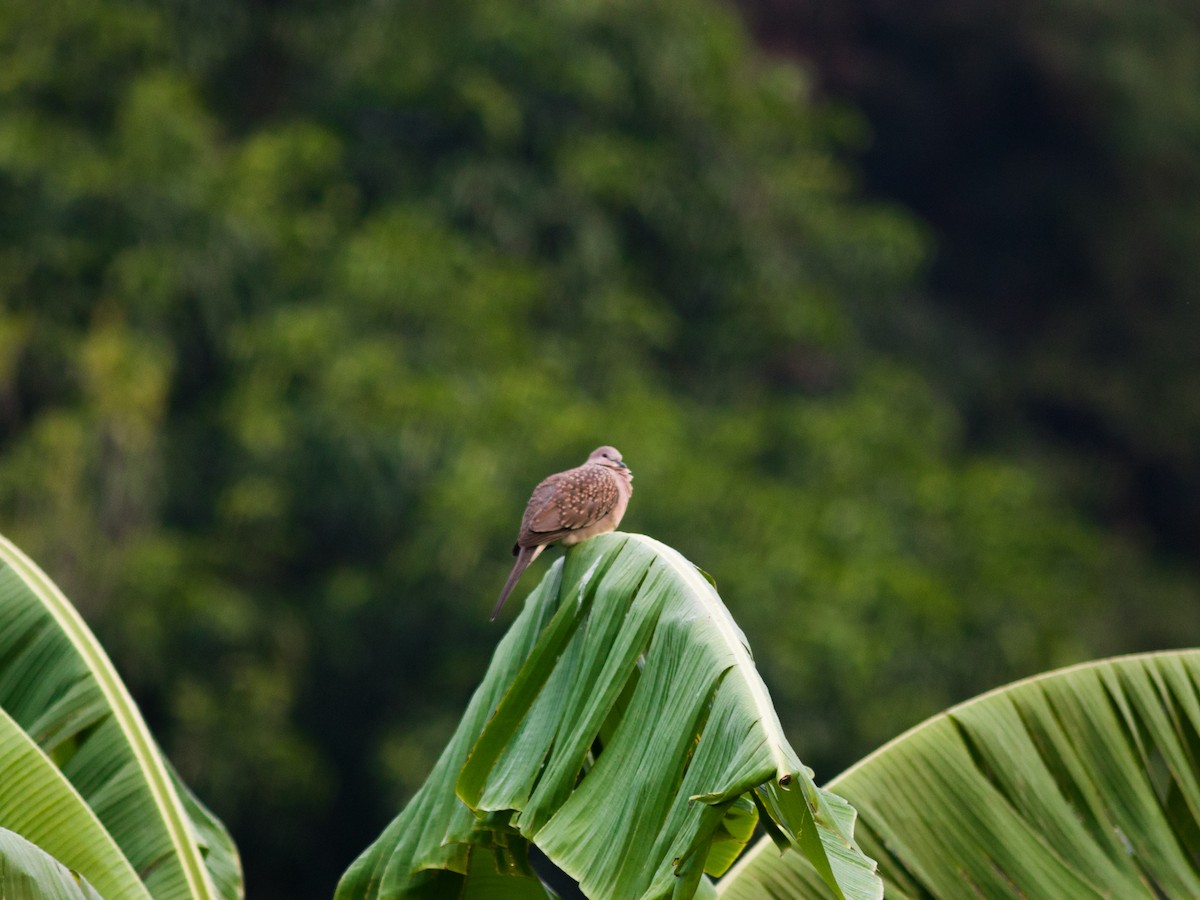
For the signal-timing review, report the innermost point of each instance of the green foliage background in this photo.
(297, 303)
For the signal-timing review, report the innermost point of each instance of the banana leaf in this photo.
(27, 872)
(622, 728)
(61, 692)
(1084, 782)
(39, 804)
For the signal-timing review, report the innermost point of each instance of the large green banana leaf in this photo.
(39, 804)
(27, 872)
(623, 728)
(1080, 783)
(80, 774)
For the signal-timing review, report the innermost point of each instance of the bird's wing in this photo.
(569, 501)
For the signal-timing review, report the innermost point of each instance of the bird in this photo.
(570, 507)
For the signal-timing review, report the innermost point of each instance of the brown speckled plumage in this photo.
(569, 507)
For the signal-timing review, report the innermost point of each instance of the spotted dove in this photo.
(570, 507)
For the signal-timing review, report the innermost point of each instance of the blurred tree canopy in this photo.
(1054, 150)
(298, 302)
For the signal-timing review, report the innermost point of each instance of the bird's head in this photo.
(607, 456)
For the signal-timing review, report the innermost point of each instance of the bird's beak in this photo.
(621, 464)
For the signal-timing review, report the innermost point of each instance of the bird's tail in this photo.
(525, 556)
